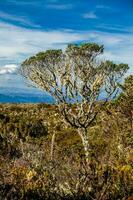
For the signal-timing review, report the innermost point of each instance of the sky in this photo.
(30, 26)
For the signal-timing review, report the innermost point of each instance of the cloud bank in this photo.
(59, 6)
(90, 15)
(17, 43)
(8, 69)
(22, 20)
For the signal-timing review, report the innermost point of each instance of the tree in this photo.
(78, 81)
(125, 99)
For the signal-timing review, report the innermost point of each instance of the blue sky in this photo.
(30, 26)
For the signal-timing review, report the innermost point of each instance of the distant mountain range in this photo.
(19, 97)
(24, 99)
(13, 89)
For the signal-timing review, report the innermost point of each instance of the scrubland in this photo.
(28, 172)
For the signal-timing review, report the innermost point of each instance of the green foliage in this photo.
(88, 49)
(73, 73)
(125, 100)
(27, 172)
(44, 56)
(76, 76)
(127, 90)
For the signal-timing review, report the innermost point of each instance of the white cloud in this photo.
(108, 39)
(115, 28)
(8, 69)
(118, 47)
(22, 3)
(103, 7)
(90, 15)
(59, 6)
(26, 42)
(21, 19)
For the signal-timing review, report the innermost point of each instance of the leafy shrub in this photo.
(26, 169)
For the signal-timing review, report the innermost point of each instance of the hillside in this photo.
(26, 168)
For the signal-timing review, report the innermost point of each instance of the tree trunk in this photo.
(85, 141)
(131, 120)
(52, 146)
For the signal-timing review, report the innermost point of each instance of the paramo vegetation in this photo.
(74, 149)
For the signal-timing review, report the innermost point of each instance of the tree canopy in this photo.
(76, 76)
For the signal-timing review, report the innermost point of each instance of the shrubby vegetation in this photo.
(76, 76)
(79, 148)
(26, 168)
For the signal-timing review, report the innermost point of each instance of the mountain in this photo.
(17, 95)
(23, 98)
(13, 89)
